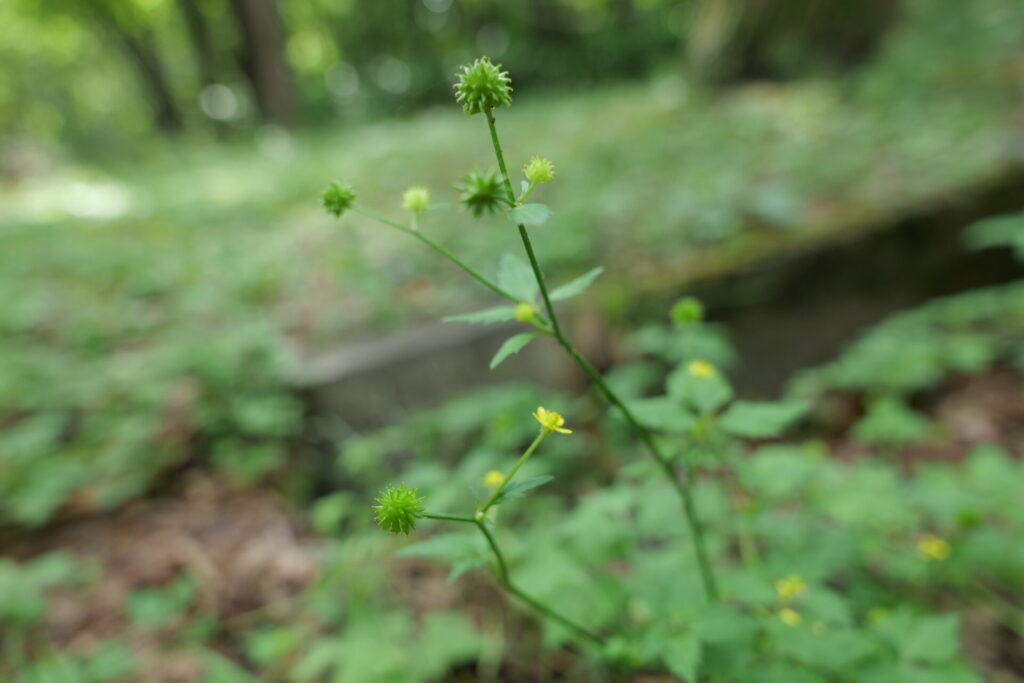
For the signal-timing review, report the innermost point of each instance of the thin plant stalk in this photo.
(508, 477)
(682, 488)
(505, 579)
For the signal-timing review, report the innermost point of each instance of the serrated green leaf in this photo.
(521, 488)
(577, 286)
(516, 276)
(760, 420)
(513, 344)
(488, 316)
(682, 655)
(530, 214)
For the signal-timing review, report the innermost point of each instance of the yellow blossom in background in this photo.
(550, 421)
(416, 199)
(933, 548)
(493, 478)
(789, 588)
(790, 617)
(701, 369)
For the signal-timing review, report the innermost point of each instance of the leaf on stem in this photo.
(521, 488)
(761, 419)
(513, 344)
(577, 286)
(498, 314)
(516, 276)
(530, 214)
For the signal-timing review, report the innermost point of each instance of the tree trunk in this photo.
(137, 43)
(263, 59)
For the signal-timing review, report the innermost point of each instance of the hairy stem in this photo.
(682, 488)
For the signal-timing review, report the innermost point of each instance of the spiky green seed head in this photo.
(539, 170)
(482, 192)
(338, 198)
(688, 311)
(398, 509)
(482, 86)
(416, 199)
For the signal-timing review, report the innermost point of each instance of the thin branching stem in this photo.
(682, 487)
(505, 579)
(508, 477)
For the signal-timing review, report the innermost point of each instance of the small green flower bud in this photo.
(338, 198)
(539, 170)
(688, 310)
(398, 509)
(482, 86)
(482, 192)
(524, 312)
(416, 199)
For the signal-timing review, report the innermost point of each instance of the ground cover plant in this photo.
(816, 592)
(863, 527)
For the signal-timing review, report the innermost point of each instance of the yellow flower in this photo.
(550, 421)
(493, 478)
(790, 617)
(933, 548)
(524, 312)
(789, 588)
(701, 369)
(416, 199)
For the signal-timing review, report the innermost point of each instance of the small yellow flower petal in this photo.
(933, 548)
(790, 617)
(550, 421)
(701, 369)
(789, 588)
(493, 478)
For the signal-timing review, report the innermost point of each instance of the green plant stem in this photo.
(447, 517)
(541, 323)
(508, 477)
(506, 580)
(682, 488)
(473, 272)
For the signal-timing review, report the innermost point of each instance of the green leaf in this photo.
(998, 231)
(530, 214)
(703, 394)
(682, 655)
(521, 488)
(516, 276)
(498, 314)
(662, 413)
(513, 344)
(932, 639)
(577, 286)
(460, 550)
(760, 420)
(890, 422)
